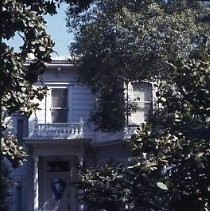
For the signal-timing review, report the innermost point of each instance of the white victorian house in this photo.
(58, 138)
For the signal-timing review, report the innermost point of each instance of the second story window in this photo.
(59, 105)
(142, 97)
(20, 128)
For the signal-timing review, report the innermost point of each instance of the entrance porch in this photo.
(55, 172)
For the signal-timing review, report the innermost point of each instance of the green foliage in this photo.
(175, 142)
(184, 97)
(167, 44)
(105, 187)
(12, 150)
(16, 92)
(109, 100)
(118, 41)
(16, 80)
(170, 154)
(18, 72)
(178, 166)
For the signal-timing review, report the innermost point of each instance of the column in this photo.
(36, 185)
(81, 124)
(80, 191)
(36, 127)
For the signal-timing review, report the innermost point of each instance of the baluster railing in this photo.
(76, 130)
(59, 130)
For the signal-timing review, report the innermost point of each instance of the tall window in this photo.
(20, 128)
(142, 97)
(59, 107)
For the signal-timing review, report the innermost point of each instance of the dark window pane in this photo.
(59, 98)
(20, 128)
(59, 115)
(142, 92)
(58, 166)
(59, 110)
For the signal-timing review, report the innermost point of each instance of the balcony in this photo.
(58, 130)
(77, 131)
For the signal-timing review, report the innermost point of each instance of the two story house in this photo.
(59, 136)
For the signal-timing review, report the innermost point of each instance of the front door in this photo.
(58, 192)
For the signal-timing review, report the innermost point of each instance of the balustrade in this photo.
(59, 130)
(75, 130)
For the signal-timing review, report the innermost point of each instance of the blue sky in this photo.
(56, 27)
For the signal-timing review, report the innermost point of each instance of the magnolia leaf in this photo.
(41, 48)
(30, 55)
(162, 186)
(134, 166)
(31, 24)
(200, 154)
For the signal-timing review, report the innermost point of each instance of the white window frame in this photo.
(48, 100)
(140, 101)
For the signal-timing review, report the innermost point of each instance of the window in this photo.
(59, 105)
(142, 97)
(58, 166)
(20, 129)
